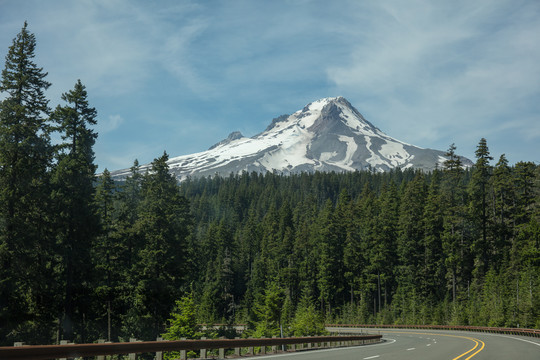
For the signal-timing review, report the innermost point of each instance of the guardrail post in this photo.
(237, 351)
(100, 357)
(203, 351)
(274, 347)
(183, 353)
(221, 351)
(263, 350)
(64, 342)
(159, 354)
(132, 356)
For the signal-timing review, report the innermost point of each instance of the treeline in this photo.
(451, 247)
(83, 258)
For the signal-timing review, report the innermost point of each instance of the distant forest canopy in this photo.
(84, 258)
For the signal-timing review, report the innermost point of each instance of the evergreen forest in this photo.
(84, 257)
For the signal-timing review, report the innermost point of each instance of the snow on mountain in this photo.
(326, 135)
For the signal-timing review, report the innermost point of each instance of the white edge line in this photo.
(371, 357)
(324, 350)
(516, 338)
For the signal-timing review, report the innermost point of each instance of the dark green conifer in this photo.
(478, 193)
(163, 226)
(25, 157)
(76, 221)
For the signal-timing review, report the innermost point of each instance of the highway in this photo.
(429, 344)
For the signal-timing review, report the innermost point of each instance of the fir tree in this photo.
(163, 226)
(25, 157)
(453, 235)
(478, 192)
(76, 223)
(502, 208)
(106, 252)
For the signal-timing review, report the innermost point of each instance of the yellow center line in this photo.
(465, 353)
(481, 348)
(476, 342)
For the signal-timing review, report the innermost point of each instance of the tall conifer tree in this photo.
(453, 200)
(163, 226)
(25, 157)
(76, 222)
(478, 192)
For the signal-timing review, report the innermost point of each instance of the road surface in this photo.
(429, 344)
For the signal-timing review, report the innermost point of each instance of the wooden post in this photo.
(183, 353)
(221, 351)
(64, 342)
(101, 357)
(203, 351)
(132, 356)
(237, 351)
(159, 354)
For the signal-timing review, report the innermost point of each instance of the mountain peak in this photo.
(328, 134)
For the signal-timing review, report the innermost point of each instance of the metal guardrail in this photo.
(42, 352)
(497, 330)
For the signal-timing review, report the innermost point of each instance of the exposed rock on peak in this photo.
(235, 135)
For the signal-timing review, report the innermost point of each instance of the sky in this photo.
(179, 76)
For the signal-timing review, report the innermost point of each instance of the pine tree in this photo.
(502, 208)
(163, 226)
(76, 221)
(307, 320)
(106, 252)
(478, 193)
(25, 157)
(453, 198)
(410, 248)
(433, 272)
(328, 261)
(383, 254)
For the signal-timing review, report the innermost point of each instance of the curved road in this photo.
(429, 344)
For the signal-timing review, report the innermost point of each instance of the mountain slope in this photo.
(326, 135)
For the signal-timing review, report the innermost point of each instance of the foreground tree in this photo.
(25, 156)
(163, 226)
(76, 220)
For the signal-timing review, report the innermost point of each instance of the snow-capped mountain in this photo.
(326, 135)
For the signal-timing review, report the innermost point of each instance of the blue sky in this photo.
(181, 75)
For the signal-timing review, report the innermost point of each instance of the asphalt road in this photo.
(430, 344)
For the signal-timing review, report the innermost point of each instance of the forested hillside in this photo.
(449, 247)
(83, 258)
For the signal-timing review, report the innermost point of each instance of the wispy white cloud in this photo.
(446, 68)
(180, 73)
(111, 123)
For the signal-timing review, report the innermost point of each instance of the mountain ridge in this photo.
(328, 134)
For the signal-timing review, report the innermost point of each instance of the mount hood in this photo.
(326, 135)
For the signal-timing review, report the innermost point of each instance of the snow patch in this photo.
(375, 159)
(395, 153)
(352, 146)
(326, 156)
